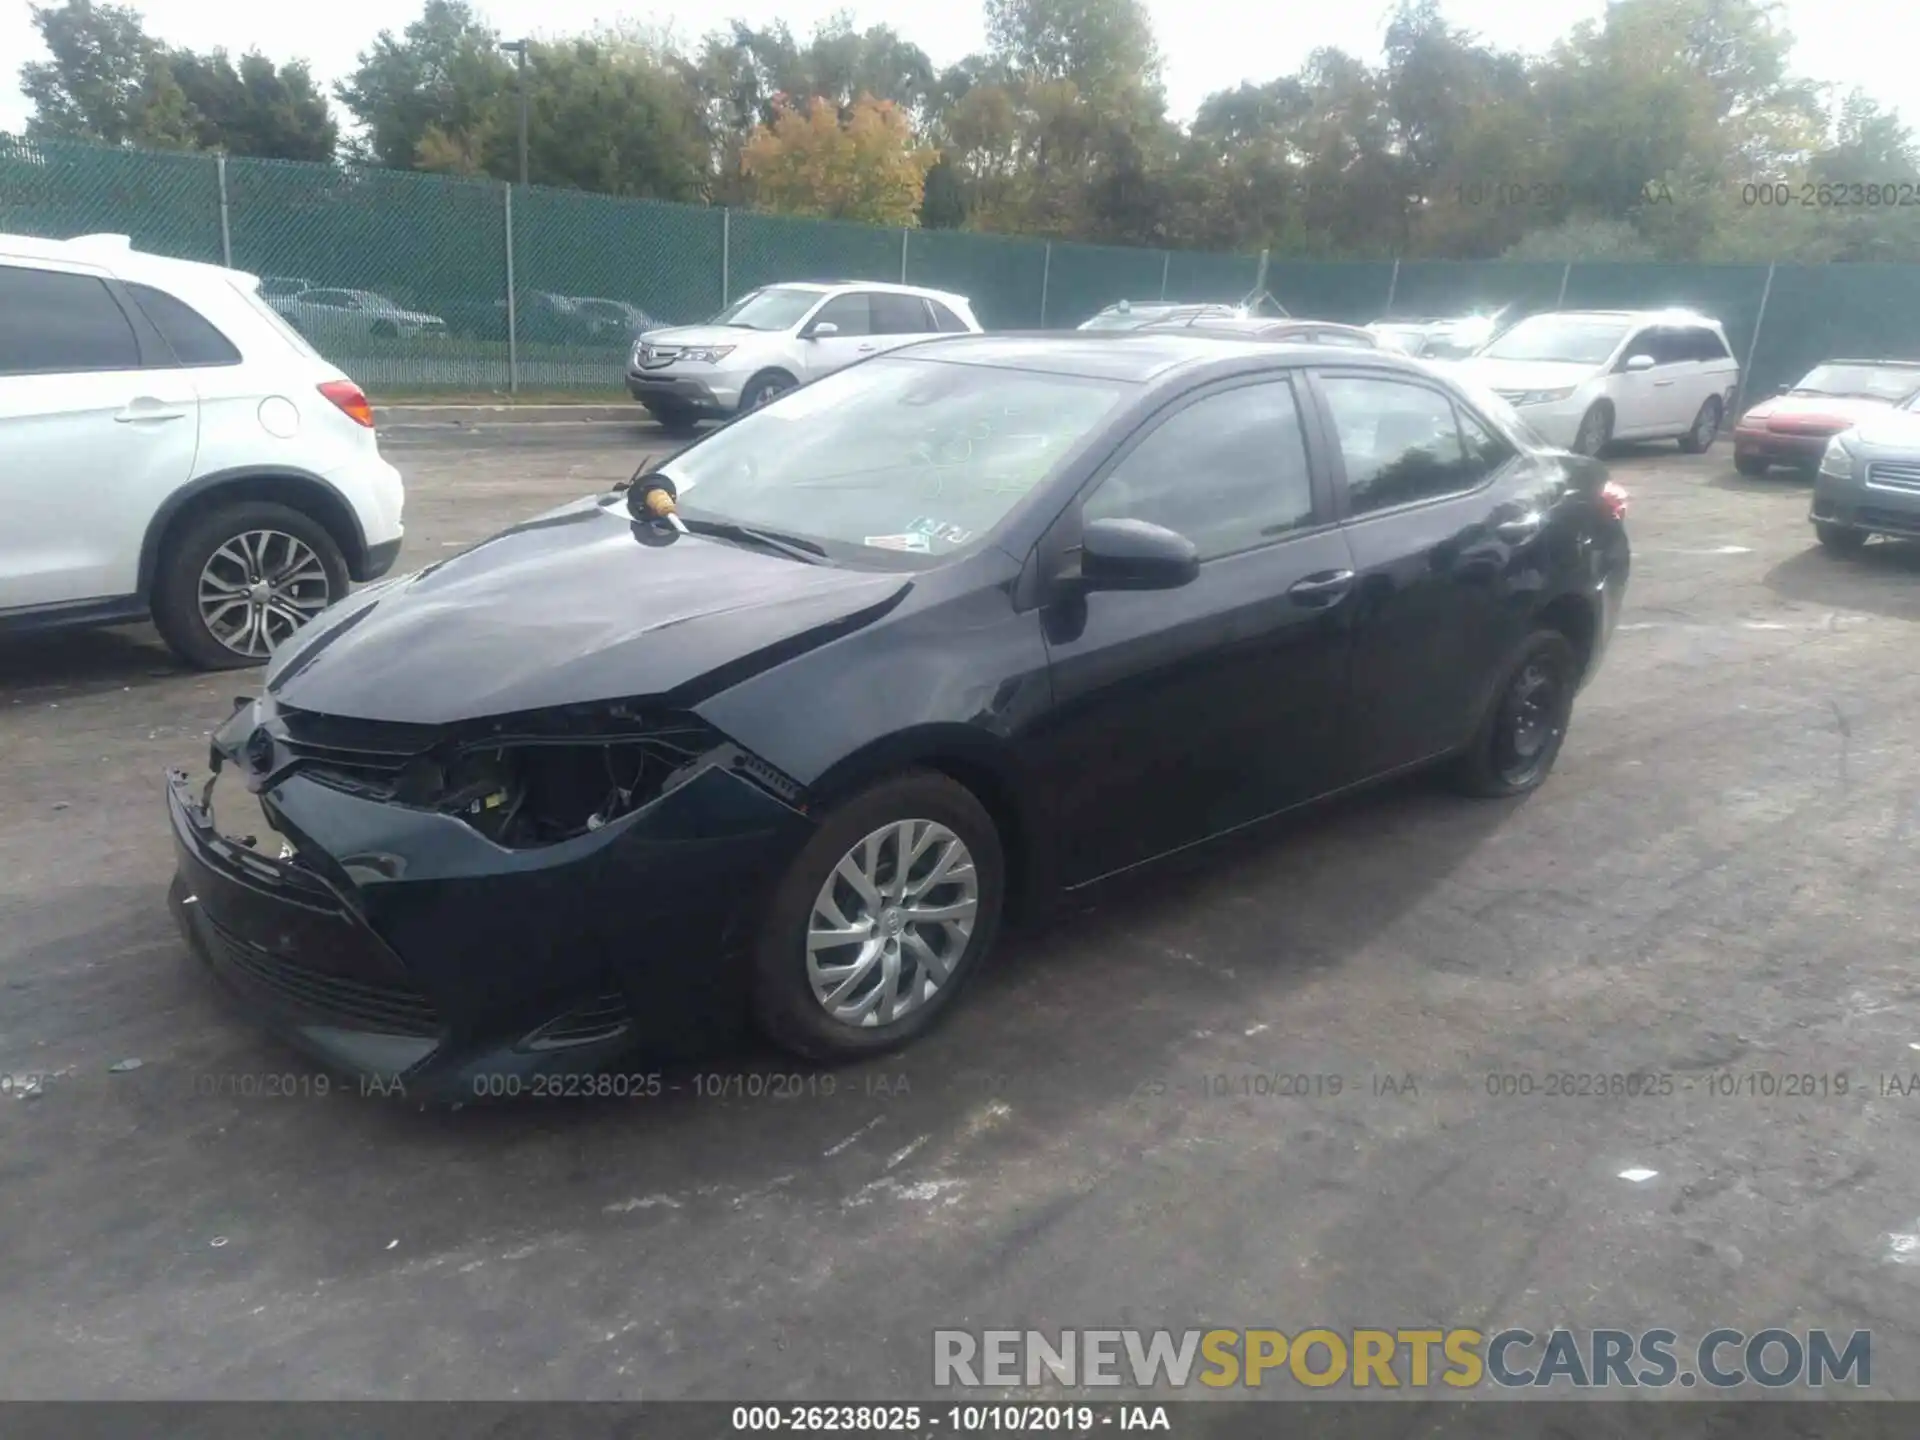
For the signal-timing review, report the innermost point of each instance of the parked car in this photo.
(1585, 378)
(1441, 338)
(598, 321)
(1793, 427)
(1868, 482)
(329, 314)
(982, 622)
(775, 338)
(175, 451)
(1288, 332)
(1138, 314)
(276, 288)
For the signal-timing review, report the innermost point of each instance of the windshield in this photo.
(775, 308)
(1871, 382)
(1566, 338)
(901, 455)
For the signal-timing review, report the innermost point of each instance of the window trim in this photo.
(1337, 460)
(1063, 536)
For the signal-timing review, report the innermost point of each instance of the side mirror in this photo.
(821, 331)
(1135, 555)
(1639, 362)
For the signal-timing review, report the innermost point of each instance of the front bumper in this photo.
(716, 393)
(1779, 449)
(402, 947)
(1865, 501)
(1557, 422)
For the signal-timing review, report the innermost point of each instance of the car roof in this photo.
(116, 253)
(1668, 316)
(1883, 364)
(823, 287)
(1136, 356)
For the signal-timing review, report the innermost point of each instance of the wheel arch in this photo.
(980, 763)
(297, 489)
(766, 372)
(1573, 615)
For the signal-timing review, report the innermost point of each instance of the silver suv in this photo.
(778, 337)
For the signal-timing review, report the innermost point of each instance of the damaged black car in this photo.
(781, 732)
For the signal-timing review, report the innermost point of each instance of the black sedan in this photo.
(787, 729)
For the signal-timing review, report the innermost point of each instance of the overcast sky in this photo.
(1209, 44)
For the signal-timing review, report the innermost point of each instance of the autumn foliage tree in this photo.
(862, 163)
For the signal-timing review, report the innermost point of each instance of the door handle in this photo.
(1521, 527)
(1661, 384)
(1321, 589)
(866, 349)
(146, 407)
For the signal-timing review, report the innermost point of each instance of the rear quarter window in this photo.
(194, 339)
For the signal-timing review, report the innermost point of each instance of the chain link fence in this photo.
(473, 286)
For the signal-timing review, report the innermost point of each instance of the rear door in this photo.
(1183, 713)
(97, 426)
(899, 319)
(1442, 515)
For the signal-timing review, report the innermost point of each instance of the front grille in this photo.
(604, 1019)
(387, 1009)
(364, 756)
(1901, 475)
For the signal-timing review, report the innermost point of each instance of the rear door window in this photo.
(899, 314)
(56, 322)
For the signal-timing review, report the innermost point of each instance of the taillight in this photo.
(350, 400)
(1613, 499)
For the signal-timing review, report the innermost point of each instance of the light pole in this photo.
(519, 49)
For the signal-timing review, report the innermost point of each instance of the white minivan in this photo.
(1585, 378)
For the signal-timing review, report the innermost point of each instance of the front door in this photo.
(1180, 714)
(852, 339)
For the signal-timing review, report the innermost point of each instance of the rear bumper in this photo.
(402, 948)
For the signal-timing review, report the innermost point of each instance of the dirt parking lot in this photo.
(1718, 886)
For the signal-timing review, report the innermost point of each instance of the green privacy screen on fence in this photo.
(581, 270)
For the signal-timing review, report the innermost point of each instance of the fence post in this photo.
(1046, 271)
(226, 228)
(513, 306)
(1166, 263)
(726, 257)
(904, 232)
(1393, 288)
(1260, 278)
(1560, 303)
(1753, 345)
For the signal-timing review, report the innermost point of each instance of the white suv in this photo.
(171, 449)
(1584, 378)
(773, 339)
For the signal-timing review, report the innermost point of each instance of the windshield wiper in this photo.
(792, 545)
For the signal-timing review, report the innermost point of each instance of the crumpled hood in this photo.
(1814, 413)
(573, 606)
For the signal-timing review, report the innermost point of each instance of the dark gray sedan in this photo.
(1869, 481)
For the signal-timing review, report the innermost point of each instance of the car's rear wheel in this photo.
(1520, 737)
(1840, 539)
(1595, 432)
(1754, 465)
(1706, 427)
(241, 579)
(880, 919)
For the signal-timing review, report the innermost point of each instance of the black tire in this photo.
(765, 387)
(1706, 428)
(385, 330)
(1840, 539)
(1595, 432)
(1496, 765)
(1752, 465)
(176, 608)
(784, 1004)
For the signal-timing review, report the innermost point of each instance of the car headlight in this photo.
(1837, 461)
(707, 354)
(1542, 397)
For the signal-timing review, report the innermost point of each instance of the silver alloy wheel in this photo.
(1592, 427)
(259, 587)
(891, 922)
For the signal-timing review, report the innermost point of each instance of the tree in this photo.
(1103, 46)
(606, 114)
(275, 112)
(445, 71)
(101, 83)
(867, 168)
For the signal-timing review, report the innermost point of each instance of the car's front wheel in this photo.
(240, 579)
(1595, 432)
(1840, 539)
(674, 419)
(1753, 465)
(880, 919)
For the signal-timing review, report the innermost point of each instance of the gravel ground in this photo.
(1716, 886)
